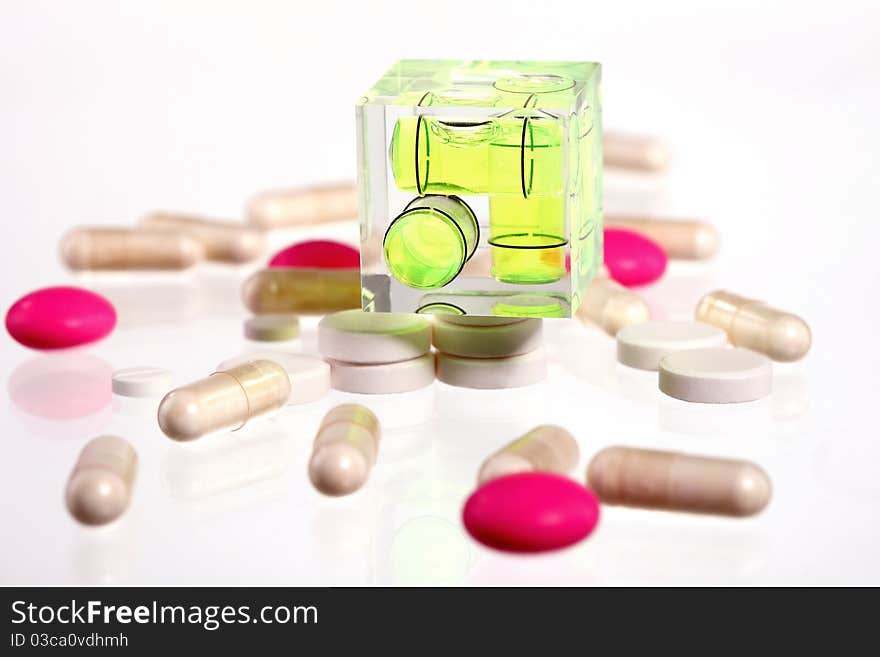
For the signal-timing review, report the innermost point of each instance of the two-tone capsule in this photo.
(681, 239)
(302, 291)
(226, 400)
(546, 448)
(612, 306)
(222, 241)
(672, 481)
(345, 450)
(100, 487)
(757, 326)
(129, 249)
(636, 152)
(304, 206)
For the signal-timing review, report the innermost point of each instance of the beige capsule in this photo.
(682, 239)
(100, 487)
(673, 481)
(754, 325)
(302, 291)
(638, 152)
(223, 241)
(303, 206)
(612, 306)
(345, 450)
(226, 400)
(546, 448)
(119, 249)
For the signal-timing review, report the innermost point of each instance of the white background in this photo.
(109, 109)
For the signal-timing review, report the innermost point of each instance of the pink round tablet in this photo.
(633, 259)
(320, 254)
(60, 317)
(530, 512)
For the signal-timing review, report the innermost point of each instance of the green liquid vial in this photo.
(428, 244)
(518, 153)
(527, 238)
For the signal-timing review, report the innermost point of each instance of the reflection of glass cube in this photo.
(478, 181)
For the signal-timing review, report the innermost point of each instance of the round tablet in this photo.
(487, 341)
(631, 258)
(492, 373)
(320, 254)
(309, 375)
(142, 382)
(643, 345)
(271, 327)
(716, 375)
(354, 336)
(381, 378)
(480, 320)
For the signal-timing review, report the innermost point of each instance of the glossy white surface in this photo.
(113, 109)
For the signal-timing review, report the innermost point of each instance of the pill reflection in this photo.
(62, 395)
(104, 556)
(200, 470)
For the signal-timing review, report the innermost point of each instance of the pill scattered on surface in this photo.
(60, 317)
(303, 206)
(633, 259)
(382, 378)
(480, 320)
(302, 291)
(755, 325)
(129, 249)
(272, 328)
(643, 345)
(318, 254)
(673, 481)
(142, 381)
(100, 487)
(492, 373)
(637, 152)
(344, 450)
(716, 375)
(354, 336)
(225, 400)
(682, 239)
(223, 241)
(611, 306)
(530, 512)
(309, 375)
(480, 341)
(547, 448)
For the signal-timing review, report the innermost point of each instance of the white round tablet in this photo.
(716, 375)
(479, 320)
(643, 345)
(354, 336)
(492, 373)
(142, 382)
(271, 327)
(380, 378)
(488, 341)
(309, 375)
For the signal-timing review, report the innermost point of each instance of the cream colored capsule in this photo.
(303, 206)
(226, 400)
(100, 486)
(223, 241)
(637, 152)
(117, 249)
(672, 481)
(547, 448)
(682, 239)
(754, 325)
(345, 450)
(302, 291)
(612, 306)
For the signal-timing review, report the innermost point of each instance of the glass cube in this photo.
(480, 187)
